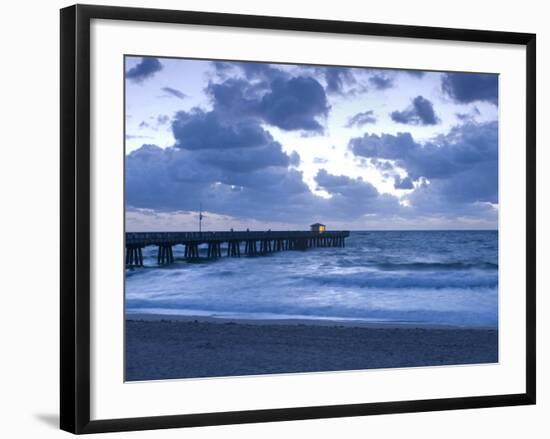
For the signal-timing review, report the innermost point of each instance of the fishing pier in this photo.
(231, 244)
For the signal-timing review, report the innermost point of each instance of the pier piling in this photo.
(255, 243)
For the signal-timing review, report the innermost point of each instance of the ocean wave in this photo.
(435, 266)
(425, 280)
(442, 278)
(459, 317)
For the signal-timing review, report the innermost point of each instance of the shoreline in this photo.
(175, 347)
(297, 321)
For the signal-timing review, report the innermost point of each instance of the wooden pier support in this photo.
(234, 249)
(214, 250)
(255, 243)
(265, 246)
(165, 254)
(191, 250)
(300, 244)
(134, 257)
(250, 248)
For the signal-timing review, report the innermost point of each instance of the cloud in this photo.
(337, 78)
(174, 92)
(461, 167)
(225, 157)
(245, 161)
(135, 136)
(452, 178)
(264, 71)
(162, 119)
(154, 123)
(403, 183)
(207, 130)
(250, 70)
(468, 117)
(295, 159)
(235, 98)
(241, 183)
(420, 112)
(238, 183)
(145, 69)
(465, 88)
(354, 197)
(360, 119)
(344, 185)
(235, 146)
(293, 104)
(381, 81)
(415, 73)
(384, 166)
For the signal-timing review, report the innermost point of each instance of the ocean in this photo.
(416, 277)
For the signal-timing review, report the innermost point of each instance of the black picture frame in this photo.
(75, 217)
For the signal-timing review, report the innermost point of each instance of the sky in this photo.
(281, 146)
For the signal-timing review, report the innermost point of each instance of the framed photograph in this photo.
(268, 219)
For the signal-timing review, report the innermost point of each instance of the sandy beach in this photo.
(167, 347)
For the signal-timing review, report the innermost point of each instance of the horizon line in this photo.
(327, 230)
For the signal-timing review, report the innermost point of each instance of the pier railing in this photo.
(247, 243)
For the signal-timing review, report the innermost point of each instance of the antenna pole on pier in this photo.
(200, 218)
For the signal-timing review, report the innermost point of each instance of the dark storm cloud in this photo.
(420, 112)
(361, 119)
(146, 68)
(207, 130)
(295, 104)
(461, 166)
(290, 104)
(471, 87)
(381, 81)
(336, 79)
(240, 146)
(235, 98)
(245, 160)
(242, 183)
(174, 92)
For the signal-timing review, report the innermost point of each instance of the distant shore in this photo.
(170, 347)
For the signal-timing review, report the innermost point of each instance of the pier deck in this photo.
(234, 244)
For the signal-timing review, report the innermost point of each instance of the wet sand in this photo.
(167, 347)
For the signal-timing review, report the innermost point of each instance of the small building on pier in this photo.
(318, 227)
